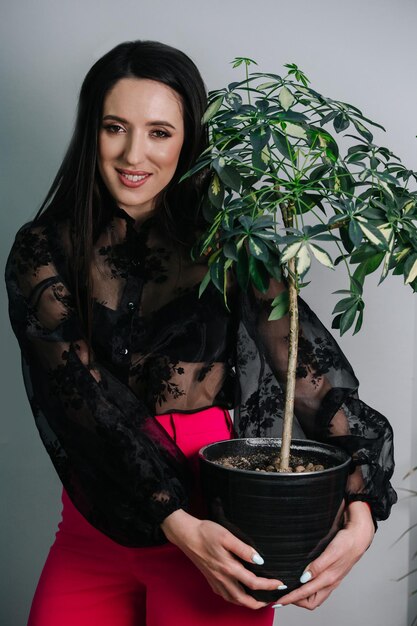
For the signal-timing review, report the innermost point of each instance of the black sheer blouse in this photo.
(158, 348)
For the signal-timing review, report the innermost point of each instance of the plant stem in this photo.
(247, 81)
(292, 351)
(292, 366)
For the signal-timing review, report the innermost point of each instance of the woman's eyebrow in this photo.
(153, 123)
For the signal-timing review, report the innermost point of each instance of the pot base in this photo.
(288, 518)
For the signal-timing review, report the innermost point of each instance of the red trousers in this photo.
(90, 580)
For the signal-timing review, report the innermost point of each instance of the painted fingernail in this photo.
(277, 606)
(306, 577)
(281, 587)
(257, 559)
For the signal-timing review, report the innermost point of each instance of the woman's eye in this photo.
(161, 133)
(113, 128)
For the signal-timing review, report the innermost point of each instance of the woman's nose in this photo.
(135, 149)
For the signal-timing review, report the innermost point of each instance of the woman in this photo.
(129, 373)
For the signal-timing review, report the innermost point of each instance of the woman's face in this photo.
(139, 143)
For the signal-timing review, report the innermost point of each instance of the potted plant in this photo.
(282, 191)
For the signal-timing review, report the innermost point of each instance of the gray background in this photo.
(360, 52)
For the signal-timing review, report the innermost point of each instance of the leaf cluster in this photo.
(284, 186)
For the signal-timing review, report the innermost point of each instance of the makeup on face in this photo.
(140, 141)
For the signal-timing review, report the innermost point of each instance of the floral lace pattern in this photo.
(159, 348)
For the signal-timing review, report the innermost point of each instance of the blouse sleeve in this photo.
(119, 467)
(327, 406)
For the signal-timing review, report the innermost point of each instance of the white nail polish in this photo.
(277, 606)
(257, 559)
(306, 577)
(281, 587)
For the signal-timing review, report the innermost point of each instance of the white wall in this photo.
(360, 52)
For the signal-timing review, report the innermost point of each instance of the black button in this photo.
(124, 351)
(131, 305)
(135, 262)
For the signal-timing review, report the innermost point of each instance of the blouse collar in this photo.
(119, 212)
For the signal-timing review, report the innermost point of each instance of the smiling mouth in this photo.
(132, 180)
(133, 177)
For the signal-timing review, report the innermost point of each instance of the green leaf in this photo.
(247, 222)
(294, 130)
(373, 234)
(258, 248)
(286, 99)
(227, 221)
(290, 116)
(303, 260)
(319, 172)
(308, 201)
(365, 251)
(388, 259)
(321, 256)
(262, 105)
(217, 273)
(356, 158)
(372, 213)
(327, 118)
(355, 286)
(346, 240)
(360, 147)
(204, 284)
(265, 155)
(230, 250)
(339, 259)
(274, 269)
(347, 183)
(340, 122)
(197, 167)
(234, 100)
(355, 233)
(336, 321)
(267, 85)
(385, 187)
(258, 274)
(363, 131)
(410, 269)
(358, 323)
(371, 264)
(290, 251)
(368, 266)
(347, 319)
(344, 304)
(228, 174)
(259, 137)
(216, 191)
(228, 264)
(284, 146)
(260, 160)
(281, 306)
(212, 109)
(239, 60)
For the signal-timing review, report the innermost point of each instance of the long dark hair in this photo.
(78, 194)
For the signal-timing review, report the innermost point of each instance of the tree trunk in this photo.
(292, 355)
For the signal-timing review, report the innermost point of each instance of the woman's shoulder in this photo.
(37, 243)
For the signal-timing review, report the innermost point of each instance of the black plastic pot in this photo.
(288, 518)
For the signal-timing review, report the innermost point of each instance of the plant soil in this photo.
(269, 462)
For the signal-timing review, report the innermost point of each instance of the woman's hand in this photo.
(329, 569)
(213, 549)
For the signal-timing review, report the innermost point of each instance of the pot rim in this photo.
(257, 440)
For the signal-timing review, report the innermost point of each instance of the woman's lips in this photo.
(132, 180)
